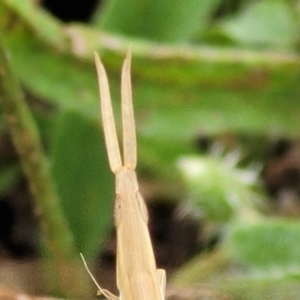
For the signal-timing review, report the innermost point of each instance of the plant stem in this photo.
(57, 237)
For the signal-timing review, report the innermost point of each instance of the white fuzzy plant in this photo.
(218, 189)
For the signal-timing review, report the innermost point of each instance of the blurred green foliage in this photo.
(199, 68)
(277, 241)
(165, 21)
(83, 180)
(218, 187)
(263, 24)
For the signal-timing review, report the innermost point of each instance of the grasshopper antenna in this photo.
(108, 295)
(129, 134)
(110, 133)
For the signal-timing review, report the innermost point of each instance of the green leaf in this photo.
(264, 24)
(255, 261)
(168, 20)
(212, 90)
(269, 249)
(83, 180)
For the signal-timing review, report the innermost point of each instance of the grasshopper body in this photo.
(137, 275)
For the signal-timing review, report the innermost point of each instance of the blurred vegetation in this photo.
(200, 68)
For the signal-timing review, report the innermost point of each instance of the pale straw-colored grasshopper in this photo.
(137, 275)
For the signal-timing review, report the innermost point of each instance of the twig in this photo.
(57, 236)
(81, 41)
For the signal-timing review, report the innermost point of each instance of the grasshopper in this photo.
(137, 275)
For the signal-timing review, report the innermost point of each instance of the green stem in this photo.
(57, 236)
(81, 41)
(216, 90)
